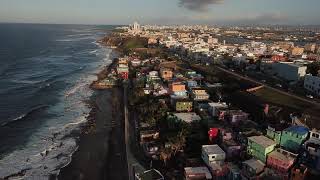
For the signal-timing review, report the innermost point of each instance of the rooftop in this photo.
(198, 171)
(282, 155)
(262, 140)
(255, 164)
(213, 149)
(301, 130)
(188, 117)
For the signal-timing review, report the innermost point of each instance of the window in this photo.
(213, 157)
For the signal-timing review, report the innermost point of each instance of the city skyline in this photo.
(221, 12)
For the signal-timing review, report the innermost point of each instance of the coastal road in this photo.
(268, 86)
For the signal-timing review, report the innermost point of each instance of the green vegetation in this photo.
(274, 97)
(313, 68)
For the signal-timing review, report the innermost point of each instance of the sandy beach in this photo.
(101, 153)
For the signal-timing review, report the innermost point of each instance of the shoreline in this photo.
(96, 145)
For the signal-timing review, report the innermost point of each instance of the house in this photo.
(136, 62)
(123, 71)
(213, 134)
(166, 74)
(199, 94)
(152, 174)
(299, 173)
(312, 146)
(215, 108)
(297, 51)
(196, 173)
(252, 168)
(213, 154)
(312, 84)
(232, 148)
(234, 172)
(190, 73)
(186, 117)
(178, 89)
(293, 137)
(235, 116)
(274, 134)
(289, 71)
(153, 76)
(192, 84)
(260, 146)
(183, 105)
(281, 160)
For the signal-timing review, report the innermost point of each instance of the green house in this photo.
(274, 135)
(293, 137)
(182, 106)
(260, 146)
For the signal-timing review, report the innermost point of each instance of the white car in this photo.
(310, 96)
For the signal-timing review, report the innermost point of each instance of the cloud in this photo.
(198, 5)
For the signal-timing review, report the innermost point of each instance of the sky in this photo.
(114, 12)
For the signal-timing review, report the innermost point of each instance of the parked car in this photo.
(310, 96)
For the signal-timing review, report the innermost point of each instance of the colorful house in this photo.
(178, 89)
(181, 105)
(123, 71)
(215, 108)
(273, 134)
(293, 137)
(199, 94)
(195, 173)
(260, 146)
(192, 84)
(281, 160)
(252, 168)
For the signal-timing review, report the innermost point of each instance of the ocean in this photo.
(45, 74)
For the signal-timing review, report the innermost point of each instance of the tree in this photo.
(313, 68)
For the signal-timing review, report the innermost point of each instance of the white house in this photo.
(213, 154)
(312, 84)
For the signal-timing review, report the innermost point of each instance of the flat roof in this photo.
(262, 140)
(255, 164)
(281, 156)
(213, 149)
(188, 117)
(298, 129)
(197, 171)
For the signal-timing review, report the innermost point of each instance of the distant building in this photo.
(289, 71)
(297, 51)
(260, 146)
(199, 94)
(135, 28)
(312, 84)
(311, 47)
